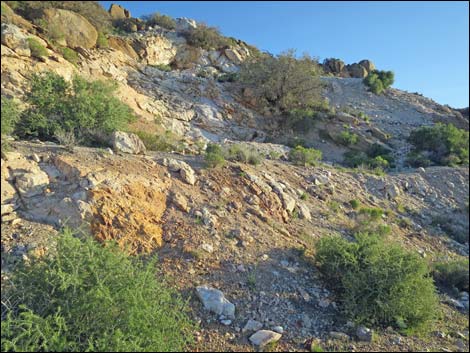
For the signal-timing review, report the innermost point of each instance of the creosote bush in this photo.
(206, 37)
(452, 273)
(10, 115)
(88, 109)
(378, 282)
(37, 49)
(439, 145)
(217, 155)
(160, 20)
(214, 156)
(89, 297)
(166, 142)
(304, 156)
(379, 81)
(70, 55)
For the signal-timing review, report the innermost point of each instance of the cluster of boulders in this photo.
(337, 67)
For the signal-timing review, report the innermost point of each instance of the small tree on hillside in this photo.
(284, 81)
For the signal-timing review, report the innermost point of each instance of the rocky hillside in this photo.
(237, 241)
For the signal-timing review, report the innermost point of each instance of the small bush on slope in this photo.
(87, 297)
(453, 274)
(85, 108)
(379, 81)
(160, 20)
(37, 49)
(10, 115)
(378, 282)
(304, 156)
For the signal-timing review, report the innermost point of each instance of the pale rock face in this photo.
(127, 143)
(14, 39)
(157, 50)
(264, 337)
(215, 301)
(234, 56)
(78, 32)
(185, 24)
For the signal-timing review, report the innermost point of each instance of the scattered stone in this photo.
(304, 212)
(215, 301)
(264, 337)
(127, 143)
(364, 334)
(110, 151)
(181, 202)
(208, 248)
(252, 325)
(187, 174)
(278, 329)
(35, 158)
(226, 322)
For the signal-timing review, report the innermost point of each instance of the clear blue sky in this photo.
(426, 44)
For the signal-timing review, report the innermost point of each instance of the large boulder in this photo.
(185, 24)
(127, 143)
(118, 12)
(78, 32)
(264, 337)
(335, 66)
(368, 65)
(14, 39)
(357, 71)
(122, 45)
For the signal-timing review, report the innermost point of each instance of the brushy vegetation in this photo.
(216, 155)
(158, 19)
(378, 81)
(376, 157)
(440, 145)
(228, 77)
(166, 142)
(86, 297)
(348, 138)
(284, 82)
(37, 49)
(453, 274)
(10, 115)
(163, 67)
(88, 109)
(304, 156)
(206, 37)
(102, 40)
(378, 282)
(354, 204)
(70, 55)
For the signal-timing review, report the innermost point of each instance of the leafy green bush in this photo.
(163, 67)
(376, 157)
(86, 297)
(10, 115)
(214, 156)
(166, 142)
(102, 40)
(304, 156)
(284, 81)
(348, 138)
(379, 81)
(354, 204)
(160, 20)
(443, 145)
(378, 282)
(453, 274)
(228, 77)
(70, 55)
(242, 153)
(87, 109)
(373, 212)
(37, 49)
(206, 37)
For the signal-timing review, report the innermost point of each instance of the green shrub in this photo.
(284, 82)
(242, 153)
(354, 204)
(228, 77)
(214, 156)
(160, 20)
(372, 212)
(37, 49)
(443, 145)
(87, 109)
(10, 115)
(348, 138)
(163, 67)
(377, 282)
(304, 156)
(379, 81)
(166, 142)
(102, 40)
(70, 55)
(452, 274)
(206, 37)
(86, 297)
(376, 157)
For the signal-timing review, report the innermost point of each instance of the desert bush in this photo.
(10, 115)
(214, 156)
(242, 153)
(452, 274)
(228, 77)
(378, 282)
(166, 142)
(284, 81)
(70, 55)
(102, 40)
(304, 156)
(206, 37)
(376, 157)
(37, 49)
(163, 67)
(379, 81)
(443, 145)
(86, 297)
(160, 20)
(354, 204)
(348, 138)
(81, 107)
